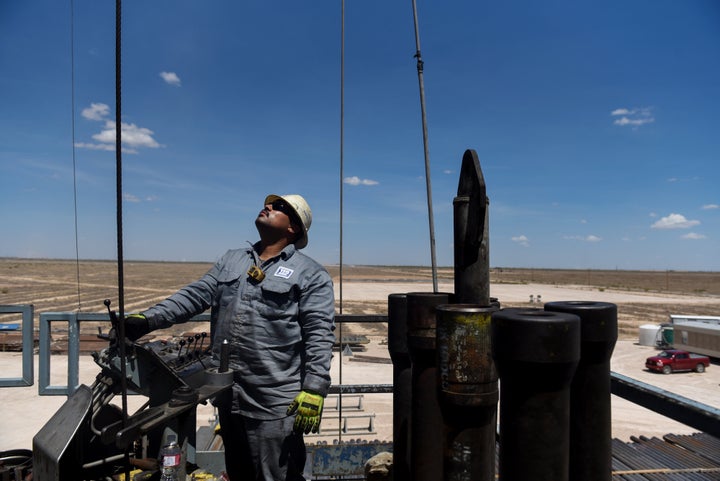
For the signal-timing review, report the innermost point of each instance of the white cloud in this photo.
(674, 221)
(653, 214)
(633, 122)
(355, 180)
(522, 240)
(170, 78)
(710, 207)
(448, 171)
(96, 111)
(583, 221)
(633, 117)
(131, 135)
(693, 236)
(85, 145)
(588, 238)
(130, 198)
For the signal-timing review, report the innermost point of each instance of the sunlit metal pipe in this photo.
(468, 391)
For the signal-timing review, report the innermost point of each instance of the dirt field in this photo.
(641, 297)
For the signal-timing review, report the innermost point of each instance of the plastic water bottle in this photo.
(170, 457)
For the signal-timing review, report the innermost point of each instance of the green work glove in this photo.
(136, 326)
(309, 406)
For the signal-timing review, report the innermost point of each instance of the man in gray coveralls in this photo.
(275, 307)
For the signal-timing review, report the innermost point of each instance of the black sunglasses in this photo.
(283, 207)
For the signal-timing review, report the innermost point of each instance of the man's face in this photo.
(276, 216)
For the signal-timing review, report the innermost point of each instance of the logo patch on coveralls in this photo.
(283, 272)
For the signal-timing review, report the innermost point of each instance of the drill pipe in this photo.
(536, 353)
(468, 391)
(471, 237)
(426, 441)
(402, 383)
(590, 413)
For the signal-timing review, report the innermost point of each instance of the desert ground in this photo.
(641, 297)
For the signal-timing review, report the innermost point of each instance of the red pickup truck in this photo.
(675, 360)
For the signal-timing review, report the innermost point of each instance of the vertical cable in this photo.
(342, 166)
(118, 190)
(72, 126)
(118, 201)
(420, 65)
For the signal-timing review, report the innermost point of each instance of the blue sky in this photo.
(596, 124)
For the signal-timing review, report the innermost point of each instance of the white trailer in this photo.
(698, 336)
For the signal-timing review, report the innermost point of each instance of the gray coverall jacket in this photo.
(280, 330)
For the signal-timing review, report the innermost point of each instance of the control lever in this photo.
(114, 325)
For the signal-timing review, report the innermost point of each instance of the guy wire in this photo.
(342, 131)
(72, 127)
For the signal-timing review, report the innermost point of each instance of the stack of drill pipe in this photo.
(402, 383)
(468, 391)
(426, 440)
(536, 353)
(590, 413)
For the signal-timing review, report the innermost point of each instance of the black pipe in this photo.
(471, 234)
(468, 391)
(426, 440)
(536, 353)
(402, 384)
(590, 413)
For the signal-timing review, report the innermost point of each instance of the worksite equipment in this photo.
(468, 391)
(590, 413)
(402, 384)
(88, 437)
(536, 353)
(426, 441)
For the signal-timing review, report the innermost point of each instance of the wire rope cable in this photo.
(431, 222)
(342, 170)
(118, 201)
(74, 162)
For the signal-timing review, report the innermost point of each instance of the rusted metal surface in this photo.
(468, 391)
(590, 412)
(536, 353)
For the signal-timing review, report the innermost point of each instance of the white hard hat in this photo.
(301, 208)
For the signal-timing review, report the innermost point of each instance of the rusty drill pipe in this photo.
(426, 441)
(536, 353)
(590, 413)
(402, 383)
(468, 391)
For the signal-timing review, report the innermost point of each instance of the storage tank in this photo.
(648, 334)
